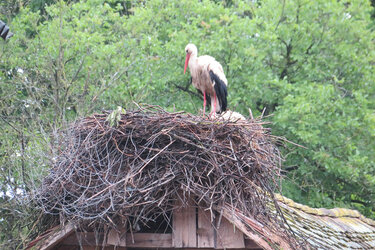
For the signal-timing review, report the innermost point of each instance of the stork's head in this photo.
(190, 49)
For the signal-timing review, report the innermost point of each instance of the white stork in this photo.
(208, 77)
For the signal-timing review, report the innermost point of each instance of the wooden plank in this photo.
(56, 237)
(205, 231)
(250, 244)
(84, 238)
(228, 213)
(102, 248)
(184, 226)
(228, 236)
(66, 247)
(70, 247)
(145, 240)
(116, 239)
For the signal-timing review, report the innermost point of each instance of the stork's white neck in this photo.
(192, 60)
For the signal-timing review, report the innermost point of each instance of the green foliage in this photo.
(325, 101)
(115, 116)
(309, 63)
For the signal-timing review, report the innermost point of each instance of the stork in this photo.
(208, 77)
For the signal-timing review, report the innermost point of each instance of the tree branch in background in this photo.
(187, 90)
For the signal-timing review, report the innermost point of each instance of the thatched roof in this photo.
(322, 228)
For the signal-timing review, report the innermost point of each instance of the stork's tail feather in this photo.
(221, 91)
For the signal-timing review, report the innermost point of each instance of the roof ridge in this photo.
(333, 212)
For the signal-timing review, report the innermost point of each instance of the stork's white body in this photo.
(200, 68)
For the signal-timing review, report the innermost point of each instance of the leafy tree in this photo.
(324, 100)
(309, 64)
(55, 69)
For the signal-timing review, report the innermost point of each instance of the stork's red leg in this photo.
(214, 108)
(204, 102)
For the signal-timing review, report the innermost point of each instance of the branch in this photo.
(308, 48)
(281, 16)
(360, 202)
(186, 89)
(13, 127)
(291, 168)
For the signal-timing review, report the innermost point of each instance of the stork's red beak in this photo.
(186, 61)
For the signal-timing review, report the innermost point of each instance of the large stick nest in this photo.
(138, 169)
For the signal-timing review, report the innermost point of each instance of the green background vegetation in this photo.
(311, 64)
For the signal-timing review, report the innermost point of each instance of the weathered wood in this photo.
(149, 240)
(102, 248)
(228, 236)
(57, 236)
(66, 247)
(84, 238)
(205, 231)
(143, 240)
(184, 226)
(250, 244)
(116, 239)
(259, 240)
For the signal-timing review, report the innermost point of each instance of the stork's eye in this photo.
(187, 51)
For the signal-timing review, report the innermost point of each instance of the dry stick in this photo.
(284, 139)
(114, 184)
(208, 159)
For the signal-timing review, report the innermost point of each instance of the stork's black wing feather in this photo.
(221, 91)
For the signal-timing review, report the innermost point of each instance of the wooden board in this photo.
(145, 240)
(66, 247)
(116, 239)
(228, 236)
(250, 244)
(84, 238)
(184, 226)
(102, 248)
(56, 237)
(205, 231)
